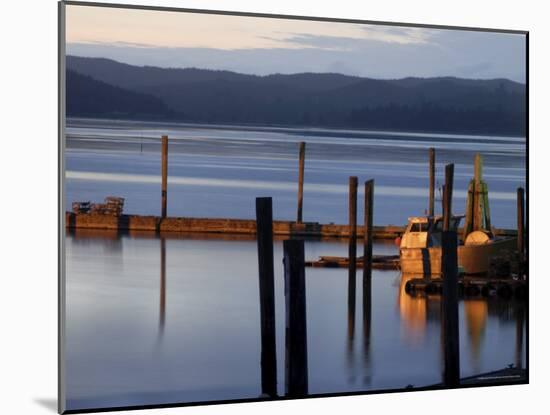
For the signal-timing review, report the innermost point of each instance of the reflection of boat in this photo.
(420, 248)
(412, 311)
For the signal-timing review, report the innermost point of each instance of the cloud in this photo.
(119, 43)
(398, 34)
(358, 40)
(404, 52)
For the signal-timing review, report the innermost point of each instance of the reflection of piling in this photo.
(264, 225)
(164, 174)
(162, 301)
(352, 253)
(431, 210)
(296, 373)
(299, 217)
(519, 335)
(521, 222)
(449, 265)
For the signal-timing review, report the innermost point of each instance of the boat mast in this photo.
(478, 216)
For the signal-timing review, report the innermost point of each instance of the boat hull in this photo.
(473, 259)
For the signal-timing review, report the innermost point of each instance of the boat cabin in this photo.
(425, 231)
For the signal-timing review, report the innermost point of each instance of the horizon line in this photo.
(292, 74)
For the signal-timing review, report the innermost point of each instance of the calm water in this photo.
(125, 348)
(218, 172)
(140, 334)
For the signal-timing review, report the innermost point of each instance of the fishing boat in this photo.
(478, 248)
(420, 247)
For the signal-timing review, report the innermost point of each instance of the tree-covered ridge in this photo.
(448, 104)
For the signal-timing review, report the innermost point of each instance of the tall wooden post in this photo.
(352, 224)
(521, 222)
(164, 174)
(448, 196)
(264, 232)
(449, 268)
(299, 216)
(431, 209)
(367, 269)
(296, 373)
(352, 254)
(368, 230)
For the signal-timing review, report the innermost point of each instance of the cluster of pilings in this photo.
(296, 370)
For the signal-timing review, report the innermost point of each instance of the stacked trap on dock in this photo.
(113, 206)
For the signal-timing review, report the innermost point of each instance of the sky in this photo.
(262, 46)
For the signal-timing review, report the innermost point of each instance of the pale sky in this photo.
(257, 45)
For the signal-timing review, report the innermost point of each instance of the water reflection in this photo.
(162, 300)
(475, 312)
(131, 336)
(351, 326)
(367, 317)
(418, 310)
(413, 311)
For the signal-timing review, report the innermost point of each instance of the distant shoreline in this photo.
(282, 127)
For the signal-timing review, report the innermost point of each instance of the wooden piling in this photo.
(521, 222)
(431, 208)
(449, 266)
(352, 225)
(299, 216)
(368, 230)
(296, 371)
(264, 235)
(164, 190)
(448, 196)
(352, 254)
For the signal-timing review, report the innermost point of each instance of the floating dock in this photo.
(227, 225)
(387, 262)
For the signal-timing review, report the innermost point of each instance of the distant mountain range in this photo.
(98, 87)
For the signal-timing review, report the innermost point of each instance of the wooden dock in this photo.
(227, 225)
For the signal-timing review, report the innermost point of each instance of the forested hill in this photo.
(89, 97)
(446, 104)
